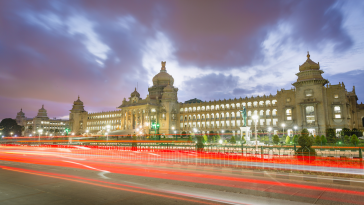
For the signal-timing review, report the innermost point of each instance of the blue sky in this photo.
(53, 51)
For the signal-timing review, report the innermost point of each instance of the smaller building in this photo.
(41, 121)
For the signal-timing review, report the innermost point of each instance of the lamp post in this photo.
(87, 132)
(174, 133)
(255, 118)
(295, 130)
(107, 134)
(39, 133)
(70, 138)
(270, 136)
(11, 134)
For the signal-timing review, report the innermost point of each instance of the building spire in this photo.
(308, 55)
(163, 66)
(43, 106)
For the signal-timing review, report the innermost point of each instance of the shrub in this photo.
(331, 135)
(189, 139)
(217, 138)
(318, 140)
(213, 139)
(204, 139)
(232, 140)
(275, 139)
(266, 140)
(305, 142)
(183, 134)
(288, 140)
(295, 139)
(243, 141)
(323, 139)
(346, 139)
(354, 139)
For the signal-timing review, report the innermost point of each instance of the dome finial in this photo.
(78, 97)
(163, 65)
(43, 106)
(135, 88)
(308, 55)
(21, 109)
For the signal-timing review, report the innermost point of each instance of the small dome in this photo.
(78, 101)
(163, 78)
(20, 114)
(135, 94)
(309, 64)
(42, 112)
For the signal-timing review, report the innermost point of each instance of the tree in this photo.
(213, 139)
(331, 135)
(318, 140)
(323, 139)
(288, 139)
(266, 140)
(295, 139)
(232, 140)
(305, 142)
(8, 126)
(275, 139)
(354, 139)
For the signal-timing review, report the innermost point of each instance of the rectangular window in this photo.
(288, 100)
(336, 96)
(309, 93)
(289, 118)
(337, 116)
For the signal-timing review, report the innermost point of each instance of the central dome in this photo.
(163, 78)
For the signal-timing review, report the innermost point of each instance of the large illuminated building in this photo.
(313, 103)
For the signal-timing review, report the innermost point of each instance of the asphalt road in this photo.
(41, 178)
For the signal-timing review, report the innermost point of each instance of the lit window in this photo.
(336, 96)
(289, 118)
(338, 116)
(288, 100)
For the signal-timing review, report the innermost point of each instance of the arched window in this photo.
(267, 112)
(217, 115)
(261, 113)
(249, 113)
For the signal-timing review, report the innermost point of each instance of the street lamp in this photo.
(11, 134)
(87, 132)
(255, 118)
(295, 130)
(39, 133)
(270, 136)
(174, 133)
(283, 125)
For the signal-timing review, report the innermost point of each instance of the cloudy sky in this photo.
(53, 51)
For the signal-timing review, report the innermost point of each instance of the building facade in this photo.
(313, 103)
(41, 122)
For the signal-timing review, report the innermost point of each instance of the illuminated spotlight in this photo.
(220, 141)
(15, 135)
(30, 135)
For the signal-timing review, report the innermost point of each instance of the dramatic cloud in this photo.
(53, 51)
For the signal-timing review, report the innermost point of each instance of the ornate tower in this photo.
(311, 96)
(78, 117)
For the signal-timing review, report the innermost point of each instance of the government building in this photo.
(313, 103)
